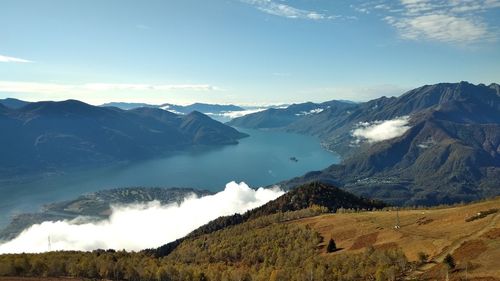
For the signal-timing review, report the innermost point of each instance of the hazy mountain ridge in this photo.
(179, 109)
(45, 136)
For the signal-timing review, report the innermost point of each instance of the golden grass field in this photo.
(474, 245)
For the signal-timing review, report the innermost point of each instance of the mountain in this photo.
(294, 246)
(127, 105)
(49, 136)
(310, 195)
(219, 112)
(201, 107)
(450, 152)
(279, 118)
(179, 109)
(366, 245)
(13, 103)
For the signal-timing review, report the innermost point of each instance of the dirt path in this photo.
(457, 243)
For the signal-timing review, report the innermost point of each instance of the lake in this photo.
(259, 160)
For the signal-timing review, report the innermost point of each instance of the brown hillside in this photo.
(436, 232)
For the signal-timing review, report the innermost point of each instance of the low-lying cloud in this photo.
(381, 130)
(140, 226)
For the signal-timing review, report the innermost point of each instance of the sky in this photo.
(247, 52)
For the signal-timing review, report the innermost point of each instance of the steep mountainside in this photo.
(451, 152)
(47, 136)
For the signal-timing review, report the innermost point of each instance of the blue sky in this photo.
(242, 51)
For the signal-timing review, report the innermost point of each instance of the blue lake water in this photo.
(259, 160)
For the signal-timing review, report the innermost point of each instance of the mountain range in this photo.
(448, 149)
(43, 137)
(220, 112)
(184, 109)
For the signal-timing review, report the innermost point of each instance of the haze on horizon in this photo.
(246, 52)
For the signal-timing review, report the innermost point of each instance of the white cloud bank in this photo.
(12, 59)
(140, 226)
(381, 130)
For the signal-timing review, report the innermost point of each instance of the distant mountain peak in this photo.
(13, 103)
(197, 114)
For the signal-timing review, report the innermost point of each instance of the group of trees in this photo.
(371, 265)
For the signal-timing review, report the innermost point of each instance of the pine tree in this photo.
(332, 247)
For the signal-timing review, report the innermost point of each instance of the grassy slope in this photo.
(436, 232)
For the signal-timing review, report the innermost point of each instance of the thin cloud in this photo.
(284, 10)
(449, 21)
(142, 26)
(49, 88)
(13, 59)
(440, 27)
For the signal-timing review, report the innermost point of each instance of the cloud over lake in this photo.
(139, 226)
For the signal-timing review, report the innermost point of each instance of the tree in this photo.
(332, 247)
(449, 261)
